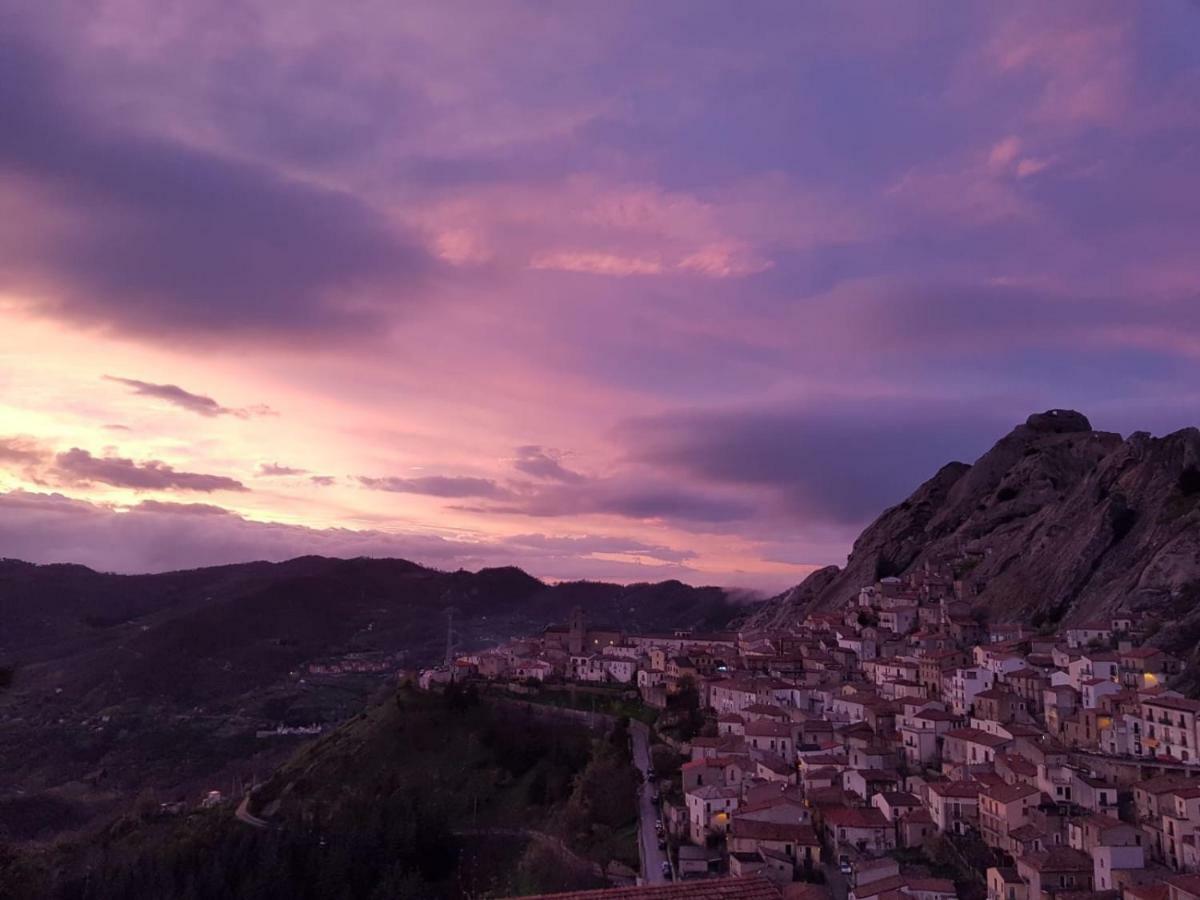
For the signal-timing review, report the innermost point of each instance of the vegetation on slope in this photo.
(423, 796)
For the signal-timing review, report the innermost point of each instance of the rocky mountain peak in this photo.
(1056, 522)
(1058, 421)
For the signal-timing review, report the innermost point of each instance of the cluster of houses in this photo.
(364, 662)
(1055, 764)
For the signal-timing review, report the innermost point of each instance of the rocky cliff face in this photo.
(1056, 522)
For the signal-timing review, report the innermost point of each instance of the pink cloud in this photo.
(597, 263)
(1083, 63)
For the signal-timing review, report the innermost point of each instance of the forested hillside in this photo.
(416, 798)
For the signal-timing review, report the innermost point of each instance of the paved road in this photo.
(652, 857)
(839, 889)
(243, 814)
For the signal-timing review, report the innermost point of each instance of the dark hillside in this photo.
(396, 803)
(111, 684)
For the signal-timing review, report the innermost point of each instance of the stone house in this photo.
(1055, 870)
(1004, 808)
(863, 829)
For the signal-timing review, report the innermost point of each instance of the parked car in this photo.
(666, 869)
(651, 777)
(662, 843)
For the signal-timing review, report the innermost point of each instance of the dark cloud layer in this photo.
(271, 470)
(177, 396)
(161, 237)
(81, 467)
(824, 463)
(457, 486)
(644, 498)
(539, 463)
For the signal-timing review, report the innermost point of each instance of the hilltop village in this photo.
(896, 747)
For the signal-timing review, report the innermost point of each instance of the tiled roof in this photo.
(1142, 652)
(713, 792)
(765, 709)
(1007, 793)
(871, 775)
(856, 817)
(900, 798)
(754, 830)
(976, 736)
(1027, 833)
(823, 759)
(798, 890)
(751, 888)
(1177, 703)
(937, 715)
(960, 789)
(1102, 821)
(1158, 891)
(1189, 883)
(772, 803)
(1059, 859)
(912, 882)
(1016, 763)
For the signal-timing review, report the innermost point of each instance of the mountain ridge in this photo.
(111, 684)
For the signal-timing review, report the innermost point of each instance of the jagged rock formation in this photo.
(1056, 522)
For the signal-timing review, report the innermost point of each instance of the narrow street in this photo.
(839, 888)
(652, 857)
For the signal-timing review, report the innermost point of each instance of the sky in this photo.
(623, 291)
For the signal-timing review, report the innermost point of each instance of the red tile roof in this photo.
(912, 882)
(856, 817)
(976, 736)
(1058, 859)
(1007, 793)
(754, 830)
(752, 888)
(960, 789)
(1177, 703)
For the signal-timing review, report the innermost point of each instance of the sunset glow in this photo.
(606, 290)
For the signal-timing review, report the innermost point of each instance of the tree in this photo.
(665, 760)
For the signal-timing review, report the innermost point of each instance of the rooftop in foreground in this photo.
(752, 888)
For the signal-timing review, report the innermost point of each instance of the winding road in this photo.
(243, 814)
(652, 857)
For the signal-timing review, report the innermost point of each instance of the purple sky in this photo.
(619, 290)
